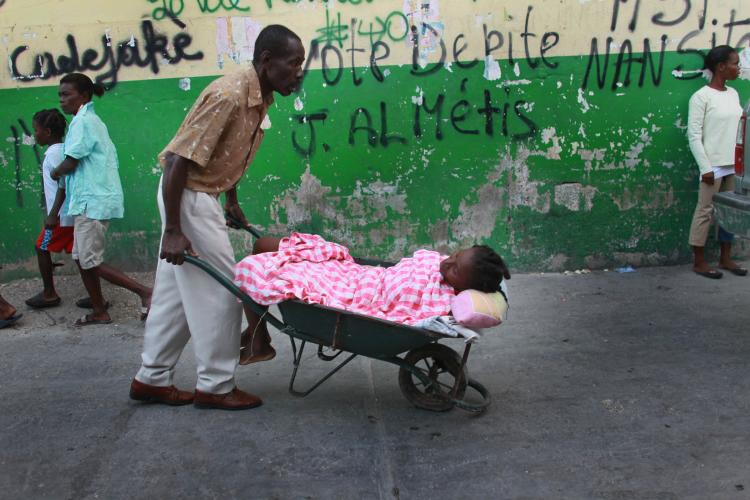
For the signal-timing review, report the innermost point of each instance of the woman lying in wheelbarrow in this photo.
(311, 269)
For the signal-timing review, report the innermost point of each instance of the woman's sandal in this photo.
(85, 303)
(711, 273)
(87, 320)
(737, 271)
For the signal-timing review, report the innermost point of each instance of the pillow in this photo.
(475, 309)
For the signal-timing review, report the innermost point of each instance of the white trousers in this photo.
(187, 303)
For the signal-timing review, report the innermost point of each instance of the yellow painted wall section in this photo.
(207, 37)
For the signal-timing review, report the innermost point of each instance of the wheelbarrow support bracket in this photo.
(298, 361)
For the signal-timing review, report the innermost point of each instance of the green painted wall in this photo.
(614, 182)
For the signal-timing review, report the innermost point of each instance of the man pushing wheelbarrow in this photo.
(206, 158)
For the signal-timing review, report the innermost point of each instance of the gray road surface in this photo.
(605, 386)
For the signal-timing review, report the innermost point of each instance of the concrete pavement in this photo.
(605, 386)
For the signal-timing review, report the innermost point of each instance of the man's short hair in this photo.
(273, 38)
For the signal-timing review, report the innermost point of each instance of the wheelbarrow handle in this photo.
(247, 227)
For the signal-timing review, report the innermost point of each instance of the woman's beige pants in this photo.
(704, 210)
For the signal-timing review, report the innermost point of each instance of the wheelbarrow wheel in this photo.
(441, 365)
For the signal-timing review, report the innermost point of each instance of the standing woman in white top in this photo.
(713, 120)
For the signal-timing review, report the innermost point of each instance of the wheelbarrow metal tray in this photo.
(374, 338)
(355, 333)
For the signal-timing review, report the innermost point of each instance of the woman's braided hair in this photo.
(53, 120)
(489, 269)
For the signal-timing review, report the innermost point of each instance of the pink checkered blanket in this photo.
(316, 271)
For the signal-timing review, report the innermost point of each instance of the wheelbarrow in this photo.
(431, 376)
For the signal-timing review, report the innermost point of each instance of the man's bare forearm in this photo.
(174, 244)
(237, 217)
(173, 184)
(67, 166)
(230, 197)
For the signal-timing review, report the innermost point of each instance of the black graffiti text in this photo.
(336, 59)
(150, 51)
(615, 70)
(492, 114)
(623, 64)
(17, 141)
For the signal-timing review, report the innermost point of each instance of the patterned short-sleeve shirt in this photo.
(221, 133)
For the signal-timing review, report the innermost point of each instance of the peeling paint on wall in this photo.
(575, 196)
(657, 197)
(376, 201)
(235, 39)
(557, 262)
(522, 191)
(427, 27)
(300, 203)
(477, 221)
(549, 135)
(745, 64)
(492, 69)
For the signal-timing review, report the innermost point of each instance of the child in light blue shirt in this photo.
(94, 194)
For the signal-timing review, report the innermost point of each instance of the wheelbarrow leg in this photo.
(460, 377)
(298, 360)
(479, 388)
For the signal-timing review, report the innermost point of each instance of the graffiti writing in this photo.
(151, 52)
(333, 31)
(310, 119)
(621, 65)
(332, 58)
(18, 140)
(269, 3)
(488, 114)
(17, 156)
(491, 116)
(173, 8)
(394, 27)
(660, 18)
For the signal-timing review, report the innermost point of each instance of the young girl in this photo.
(713, 119)
(306, 267)
(94, 194)
(57, 234)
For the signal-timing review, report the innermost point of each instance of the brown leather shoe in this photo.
(157, 394)
(233, 400)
